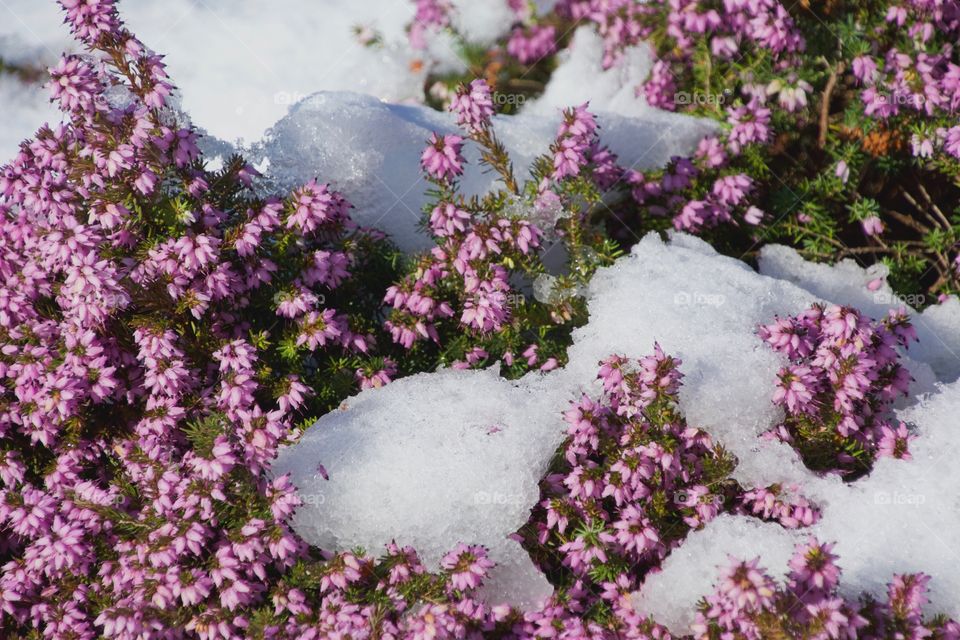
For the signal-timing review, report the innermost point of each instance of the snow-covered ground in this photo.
(239, 64)
(467, 464)
(251, 70)
(370, 151)
(703, 308)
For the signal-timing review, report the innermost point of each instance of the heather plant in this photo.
(164, 329)
(857, 105)
(631, 481)
(517, 67)
(844, 374)
(470, 297)
(837, 121)
(749, 605)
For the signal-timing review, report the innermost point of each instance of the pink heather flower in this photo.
(370, 379)
(922, 147)
(725, 47)
(711, 151)
(696, 215)
(731, 190)
(447, 220)
(844, 362)
(750, 125)
(791, 95)
(575, 139)
(533, 44)
(486, 308)
(746, 586)
(796, 388)
(219, 464)
(473, 106)
(660, 89)
(316, 205)
(907, 594)
(865, 70)
(73, 83)
(441, 159)
(89, 19)
(813, 568)
(467, 566)
(872, 226)
(634, 532)
(430, 15)
(895, 443)
(754, 216)
(842, 171)
(952, 142)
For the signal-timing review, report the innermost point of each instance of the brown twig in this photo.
(920, 208)
(909, 221)
(825, 104)
(933, 205)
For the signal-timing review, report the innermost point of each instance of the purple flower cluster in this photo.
(577, 151)
(469, 269)
(729, 25)
(430, 15)
(915, 79)
(532, 44)
(844, 374)
(619, 22)
(780, 504)
(145, 307)
(765, 25)
(749, 604)
(473, 106)
(633, 480)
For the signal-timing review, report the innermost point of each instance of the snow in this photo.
(938, 326)
(32, 32)
(430, 461)
(25, 106)
(903, 518)
(611, 90)
(370, 151)
(417, 460)
(690, 571)
(704, 309)
(482, 22)
(240, 64)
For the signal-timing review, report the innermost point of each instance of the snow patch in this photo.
(938, 326)
(430, 461)
(370, 150)
(409, 460)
